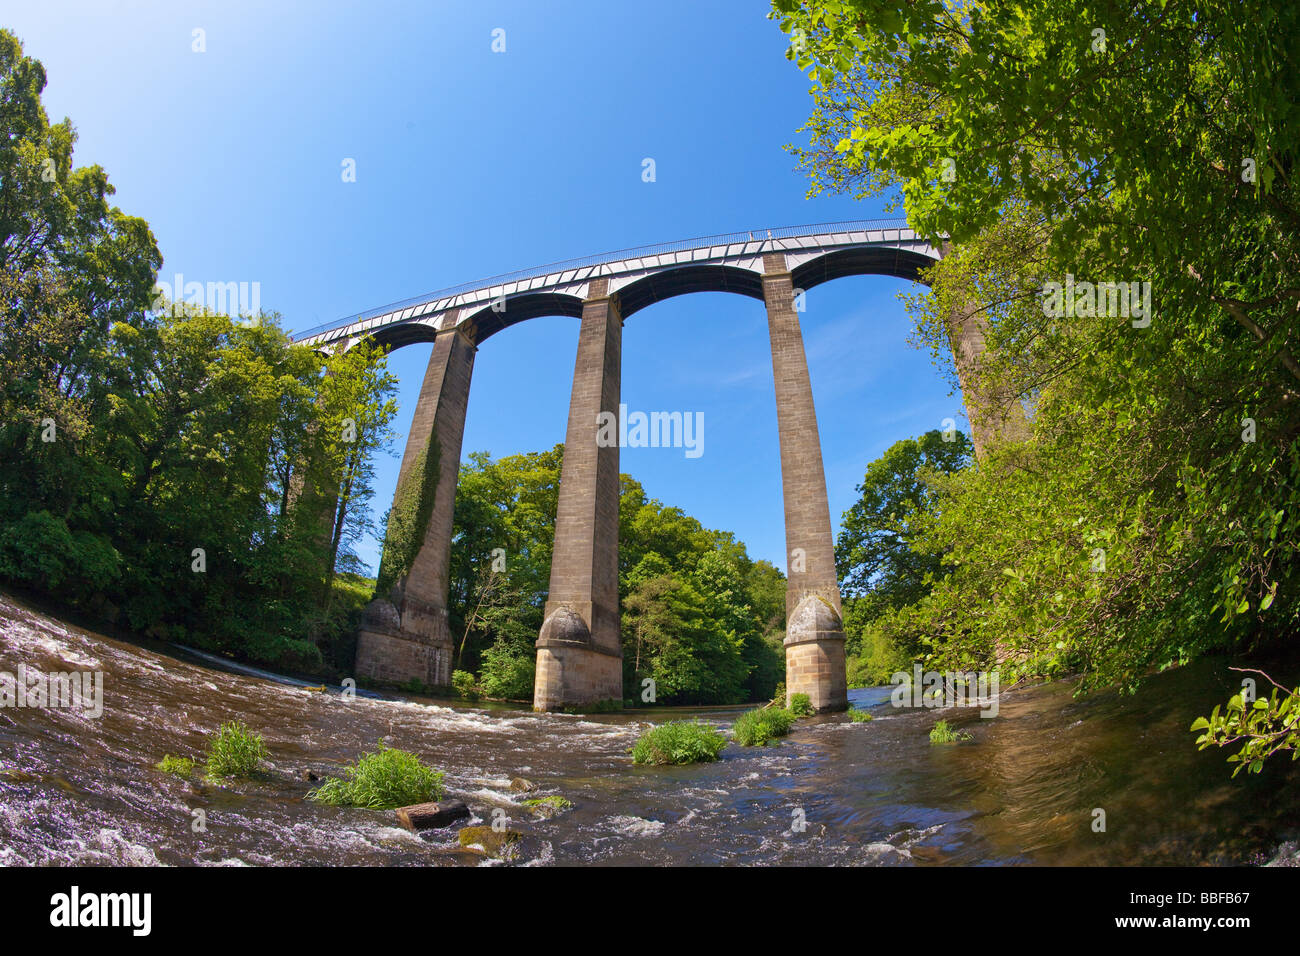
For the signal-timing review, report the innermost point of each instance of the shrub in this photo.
(801, 705)
(755, 728)
(39, 550)
(464, 684)
(941, 733)
(678, 742)
(859, 716)
(180, 766)
(235, 751)
(281, 653)
(507, 671)
(384, 780)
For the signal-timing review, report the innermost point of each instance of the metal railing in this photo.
(729, 238)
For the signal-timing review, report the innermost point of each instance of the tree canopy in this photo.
(1079, 145)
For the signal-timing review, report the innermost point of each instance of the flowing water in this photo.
(74, 789)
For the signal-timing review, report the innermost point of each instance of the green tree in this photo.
(1141, 524)
(876, 550)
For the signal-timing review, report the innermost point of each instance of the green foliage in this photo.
(384, 780)
(408, 518)
(676, 643)
(678, 742)
(41, 552)
(235, 751)
(859, 716)
(801, 705)
(1144, 520)
(1263, 727)
(882, 555)
(761, 726)
(136, 430)
(700, 618)
(464, 685)
(941, 733)
(876, 552)
(875, 642)
(178, 766)
(508, 670)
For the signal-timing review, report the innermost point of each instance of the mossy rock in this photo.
(547, 807)
(502, 844)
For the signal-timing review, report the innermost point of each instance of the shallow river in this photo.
(74, 789)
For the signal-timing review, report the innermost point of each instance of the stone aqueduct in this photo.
(579, 656)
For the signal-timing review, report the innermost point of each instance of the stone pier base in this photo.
(389, 659)
(572, 676)
(814, 656)
(387, 654)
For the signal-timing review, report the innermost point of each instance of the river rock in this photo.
(502, 844)
(520, 785)
(425, 816)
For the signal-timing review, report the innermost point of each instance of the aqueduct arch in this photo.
(405, 634)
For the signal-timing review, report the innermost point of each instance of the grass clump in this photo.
(235, 751)
(859, 716)
(942, 733)
(678, 742)
(778, 698)
(756, 728)
(384, 780)
(180, 766)
(801, 705)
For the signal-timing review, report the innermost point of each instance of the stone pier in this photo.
(814, 637)
(405, 635)
(579, 653)
(995, 415)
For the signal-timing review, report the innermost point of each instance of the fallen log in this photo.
(426, 816)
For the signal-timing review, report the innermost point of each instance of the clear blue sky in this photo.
(471, 163)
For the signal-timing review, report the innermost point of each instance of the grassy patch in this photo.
(941, 733)
(384, 780)
(180, 766)
(859, 716)
(678, 742)
(755, 728)
(801, 705)
(235, 751)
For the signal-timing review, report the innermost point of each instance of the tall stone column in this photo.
(579, 653)
(995, 414)
(405, 633)
(814, 633)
